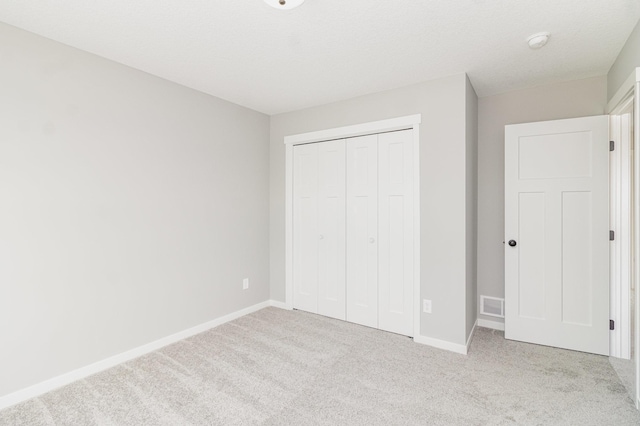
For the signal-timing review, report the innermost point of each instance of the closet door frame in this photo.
(410, 122)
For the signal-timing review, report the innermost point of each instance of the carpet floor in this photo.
(277, 367)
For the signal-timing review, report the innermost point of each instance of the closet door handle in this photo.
(372, 240)
(321, 237)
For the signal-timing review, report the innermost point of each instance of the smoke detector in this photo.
(536, 41)
(284, 4)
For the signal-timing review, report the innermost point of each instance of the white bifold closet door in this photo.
(362, 230)
(353, 230)
(380, 236)
(319, 228)
(395, 232)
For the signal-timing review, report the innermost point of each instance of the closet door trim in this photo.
(373, 127)
(399, 123)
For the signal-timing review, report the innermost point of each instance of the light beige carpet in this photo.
(277, 367)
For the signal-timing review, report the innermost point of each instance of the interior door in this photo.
(395, 232)
(557, 233)
(331, 239)
(362, 230)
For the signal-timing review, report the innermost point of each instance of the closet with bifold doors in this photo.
(353, 229)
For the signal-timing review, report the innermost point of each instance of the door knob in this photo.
(372, 240)
(512, 243)
(321, 237)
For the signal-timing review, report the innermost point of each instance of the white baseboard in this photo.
(81, 373)
(447, 346)
(473, 330)
(441, 344)
(280, 305)
(495, 325)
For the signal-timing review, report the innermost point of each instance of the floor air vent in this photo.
(492, 306)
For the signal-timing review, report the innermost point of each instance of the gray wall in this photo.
(443, 188)
(628, 59)
(557, 101)
(130, 208)
(471, 152)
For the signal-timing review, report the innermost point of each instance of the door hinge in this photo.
(612, 235)
(612, 325)
(612, 145)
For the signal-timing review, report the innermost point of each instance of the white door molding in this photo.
(636, 221)
(627, 89)
(362, 129)
(620, 222)
(389, 125)
(631, 87)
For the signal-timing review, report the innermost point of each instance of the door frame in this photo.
(409, 122)
(620, 222)
(631, 87)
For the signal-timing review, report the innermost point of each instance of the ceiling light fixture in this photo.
(284, 4)
(536, 41)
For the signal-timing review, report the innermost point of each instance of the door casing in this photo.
(631, 87)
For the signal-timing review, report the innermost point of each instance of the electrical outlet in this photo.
(245, 283)
(426, 306)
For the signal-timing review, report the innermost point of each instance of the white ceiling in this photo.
(327, 50)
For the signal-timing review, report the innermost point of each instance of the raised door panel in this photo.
(362, 230)
(395, 232)
(332, 221)
(305, 227)
(532, 207)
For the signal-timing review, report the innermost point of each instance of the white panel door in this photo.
(362, 230)
(557, 233)
(306, 227)
(395, 232)
(331, 218)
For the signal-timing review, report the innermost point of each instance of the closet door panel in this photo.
(362, 230)
(396, 238)
(305, 227)
(332, 221)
